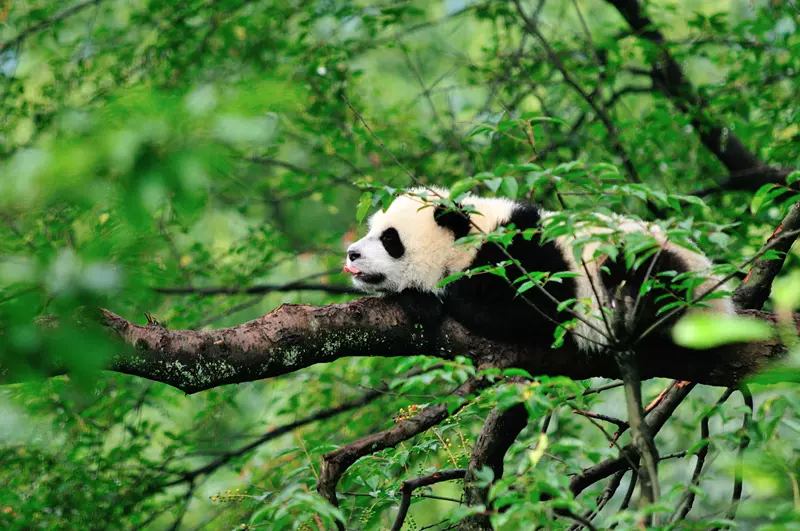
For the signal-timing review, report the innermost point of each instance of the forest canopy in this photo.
(179, 348)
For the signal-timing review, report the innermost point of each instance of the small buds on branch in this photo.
(336, 463)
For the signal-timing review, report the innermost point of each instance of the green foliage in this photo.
(706, 331)
(157, 144)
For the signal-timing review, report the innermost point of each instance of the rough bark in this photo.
(336, 463)
(757, 285)
(296, 336)
(498, 434)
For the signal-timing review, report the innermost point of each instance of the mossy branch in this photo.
(293, 337)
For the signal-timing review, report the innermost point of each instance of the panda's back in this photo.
(489, 305)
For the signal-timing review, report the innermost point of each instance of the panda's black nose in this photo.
(352, 255)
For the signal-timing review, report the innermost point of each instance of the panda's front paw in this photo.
(421, 308)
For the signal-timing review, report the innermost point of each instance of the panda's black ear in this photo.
(455, 221)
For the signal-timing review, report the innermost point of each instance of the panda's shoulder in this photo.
(525, 214)
(505, 210)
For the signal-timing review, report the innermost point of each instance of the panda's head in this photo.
(411, 244)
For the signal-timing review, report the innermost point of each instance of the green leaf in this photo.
(558, 336)
(505, 125)
(480, 129)
(484, 476)
(493, 184)
(759, 197)
(528, 284)
(565, 304)
(703, 330)
(460, 187)
(557, 277)
(776, 375)
(364, 205)
(793, 177)
(450, 279)
(535, 455)
(517, 372)
(510, 187)
(786, 292)
(535, 117)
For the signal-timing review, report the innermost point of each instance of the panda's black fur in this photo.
(488, 305)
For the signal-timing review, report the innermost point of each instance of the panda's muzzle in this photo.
(375, 278)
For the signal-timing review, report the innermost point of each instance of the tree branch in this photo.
(669, 78)
(746, 180)
(408, 487)
(293, 337)
(530, 25)
(44, 24)
(258, 289)
(689, 496)
(336, 463)
(744, 442)
(275, 433)
(654, 422)
(498, 434)
(755, 289)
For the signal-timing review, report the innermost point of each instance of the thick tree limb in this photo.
(670, 79)
(336, 463)
(498, 434)
(746, 180)
(757, 285)
(293, 337)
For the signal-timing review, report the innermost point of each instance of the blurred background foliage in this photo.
(151, 144)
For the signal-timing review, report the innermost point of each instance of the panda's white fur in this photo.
(430, 254)
(429, 247)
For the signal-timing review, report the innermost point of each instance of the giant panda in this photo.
(411, 247)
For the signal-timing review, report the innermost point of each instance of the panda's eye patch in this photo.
(391, 242)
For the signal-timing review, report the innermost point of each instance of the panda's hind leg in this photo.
(638, 295)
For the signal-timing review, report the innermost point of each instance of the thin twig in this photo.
(598, 416)
(689, 497)
(602, 500)
(743, 444)
(258, 289)
(187, 499)
(655, 421)
(532, 27)
(44, 24)
(270, 435)
(408, 486)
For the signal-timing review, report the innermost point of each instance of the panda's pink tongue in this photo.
(351, 270)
